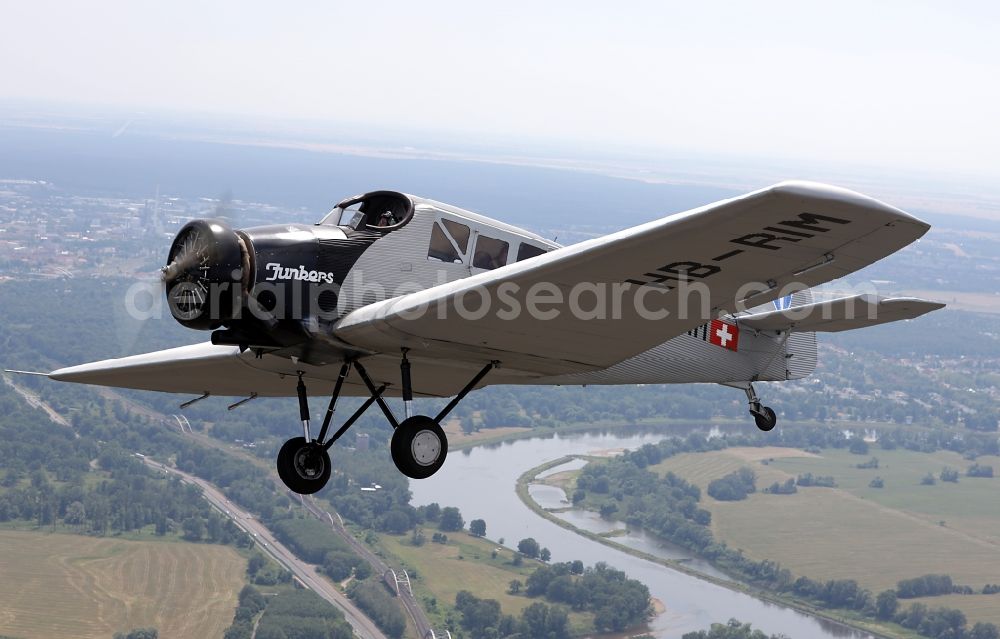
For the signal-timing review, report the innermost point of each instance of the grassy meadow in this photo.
(56, 586)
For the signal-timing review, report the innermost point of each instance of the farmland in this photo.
(70, 586)
(876, 536)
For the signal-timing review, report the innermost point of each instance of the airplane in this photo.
(423, 299)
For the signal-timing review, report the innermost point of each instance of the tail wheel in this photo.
(303, 466)
(419, 447)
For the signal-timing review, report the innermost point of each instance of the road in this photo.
(35, 401)
(306, 573)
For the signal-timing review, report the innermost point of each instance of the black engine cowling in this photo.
(265, 285)
(206, 273)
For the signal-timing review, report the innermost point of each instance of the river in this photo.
(481, 481)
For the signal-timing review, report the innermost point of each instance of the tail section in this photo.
(800, 348)
(796, 319)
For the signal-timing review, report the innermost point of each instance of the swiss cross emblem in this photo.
(723, 334)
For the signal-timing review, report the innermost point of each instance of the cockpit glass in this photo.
(352, 216)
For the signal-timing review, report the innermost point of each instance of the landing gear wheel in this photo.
(303, 466)
(419, 447)
(765, 418)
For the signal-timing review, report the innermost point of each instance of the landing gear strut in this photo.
(419, 445)
(763, 415)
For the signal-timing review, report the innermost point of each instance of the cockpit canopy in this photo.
(380, 211)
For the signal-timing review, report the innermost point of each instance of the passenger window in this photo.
(490, 253)
(459, 232)
(526, 251)
(442, 247)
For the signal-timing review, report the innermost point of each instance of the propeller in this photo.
(203, 274)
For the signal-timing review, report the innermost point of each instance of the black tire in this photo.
(303, 466)
(419, 447)
(766, 419)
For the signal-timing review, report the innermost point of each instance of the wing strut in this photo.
(377, 395)
(465, 391)
(344, 372)
(353, 418)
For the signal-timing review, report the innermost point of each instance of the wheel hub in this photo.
(308, 464)
(426, 448)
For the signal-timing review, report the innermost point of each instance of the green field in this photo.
(56, 586)
(876, 536)
(465, 563)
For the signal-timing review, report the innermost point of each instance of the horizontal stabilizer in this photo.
(842, 314)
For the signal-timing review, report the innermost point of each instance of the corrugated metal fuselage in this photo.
(398, 263)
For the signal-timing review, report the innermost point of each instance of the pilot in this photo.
(387, 219)
(501, 258)
(488, 260)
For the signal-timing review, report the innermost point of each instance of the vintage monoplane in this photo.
(422, 299)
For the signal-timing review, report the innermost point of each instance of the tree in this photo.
(194, 528)
(540, 620)
(479, 616)
(984, 631)
(544, 554)
(362, 570)
(732, 630)
(980, 470)
(858, 446)
(514, 587)
(451, 520)
(417, 538)
(339, 565)
(383, 609)
(949, 474)
(430, 512)
(75, 514)
(608, 510)
(528, 547)
(396, 521)
(886, 604)
(733, 487)
(477, 527)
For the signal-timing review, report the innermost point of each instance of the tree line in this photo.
(616, 601)
(484, 619)
(288, 614)
(669, 507)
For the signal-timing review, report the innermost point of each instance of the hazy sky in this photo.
(907, 83)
